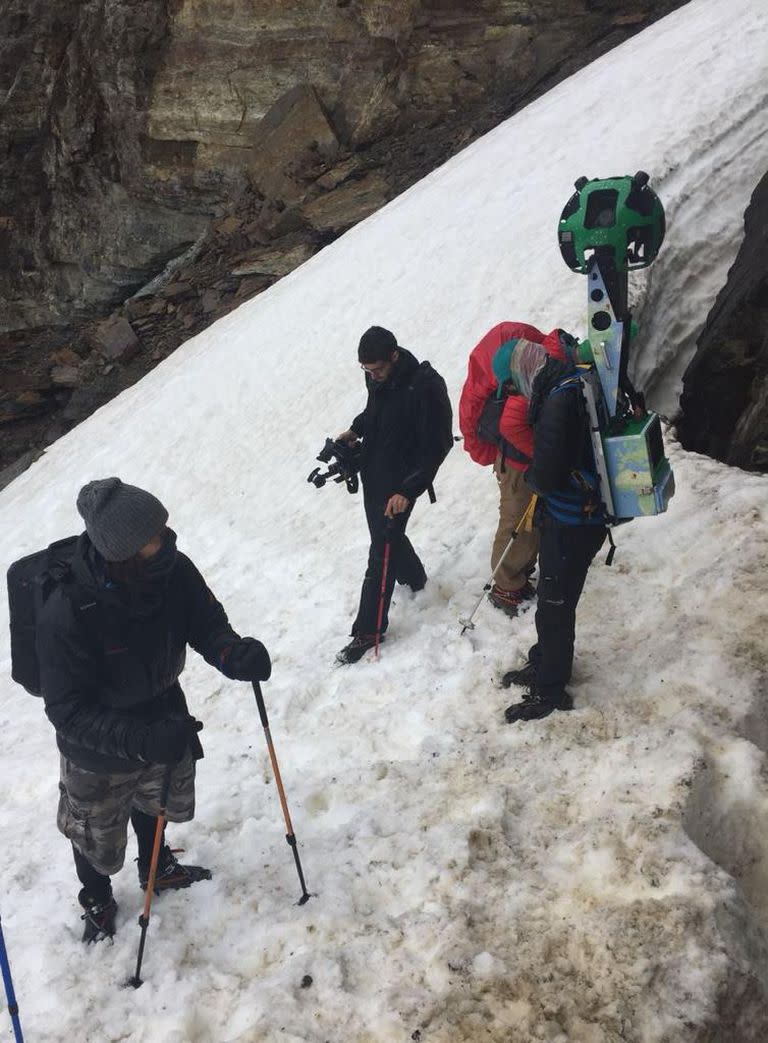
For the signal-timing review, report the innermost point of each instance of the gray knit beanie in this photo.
(119, 519)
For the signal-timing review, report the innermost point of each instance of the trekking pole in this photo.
(10, 995)
(466, 621)
(382, 591)
(136, 980)
(290, 835)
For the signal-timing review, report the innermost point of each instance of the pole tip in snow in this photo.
(135, 982)
(304, 899)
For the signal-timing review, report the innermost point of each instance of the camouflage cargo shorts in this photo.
(95, 807)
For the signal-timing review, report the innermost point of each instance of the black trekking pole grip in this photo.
(290, 835)
(260, 703)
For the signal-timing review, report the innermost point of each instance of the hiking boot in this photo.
(537, 706)
(171, 874)
(356, 649)
(525, 677)
(416, 586)
(509, 601)
(98, 918)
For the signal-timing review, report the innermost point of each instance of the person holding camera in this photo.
(406, 432)
(111, 644)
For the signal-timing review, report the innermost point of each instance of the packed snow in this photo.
(593, 877)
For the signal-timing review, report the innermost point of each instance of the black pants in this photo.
(96, 884)
(404, 564)
(565, 555)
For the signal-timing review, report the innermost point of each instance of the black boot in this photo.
(98, 918)
(525, 677)
(356, 649)
(415, 585)
(171, 874)
(537, 706)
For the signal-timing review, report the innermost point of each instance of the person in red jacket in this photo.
(510, 452)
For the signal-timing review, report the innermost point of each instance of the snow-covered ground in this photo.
(593, 877)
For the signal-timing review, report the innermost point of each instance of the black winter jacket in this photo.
(109, 674)
(402, 428)
(562, 470)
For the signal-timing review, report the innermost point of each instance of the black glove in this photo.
(246, 660)
(167, 742)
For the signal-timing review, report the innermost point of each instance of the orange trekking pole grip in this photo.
(136, 980)
(290, 835)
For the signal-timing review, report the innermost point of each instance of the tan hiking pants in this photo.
(514, 497)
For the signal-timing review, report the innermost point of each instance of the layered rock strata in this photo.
(192, 153)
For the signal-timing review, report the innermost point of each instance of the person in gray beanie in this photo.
(111, 645)
(120, 519)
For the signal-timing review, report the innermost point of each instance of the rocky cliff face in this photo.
(724, 404)
(218, 145)
(82, 222)
(127, 124)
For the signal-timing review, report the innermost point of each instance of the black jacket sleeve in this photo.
(431, 405)
(557, 437)
(359, 423)
(68, 674)
(208, 629)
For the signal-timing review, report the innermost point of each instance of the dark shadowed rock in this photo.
(349, 203)
(724, 404)
(210, 301)
(294, 134)
(8, 474)
(274, 262)
(116, 338)
(66, 376)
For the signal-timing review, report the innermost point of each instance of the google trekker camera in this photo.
(608, 228)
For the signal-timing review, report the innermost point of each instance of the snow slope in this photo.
(597, 876)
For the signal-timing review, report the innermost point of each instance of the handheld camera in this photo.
(343, 465)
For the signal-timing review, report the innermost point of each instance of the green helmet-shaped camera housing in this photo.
(619, 219)
(610, 227)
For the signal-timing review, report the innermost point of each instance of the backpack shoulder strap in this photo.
(59, 573)
(566, 384)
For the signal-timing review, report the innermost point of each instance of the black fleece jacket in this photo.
(561, 442)
(400, 429)
(109, 669)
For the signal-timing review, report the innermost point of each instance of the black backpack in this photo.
(488, 430)
(443, 439)
(31, 581)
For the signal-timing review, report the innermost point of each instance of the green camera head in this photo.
(619, 219)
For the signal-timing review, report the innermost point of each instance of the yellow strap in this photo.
(526, 522)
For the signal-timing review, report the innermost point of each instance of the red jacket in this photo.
(481, 383)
